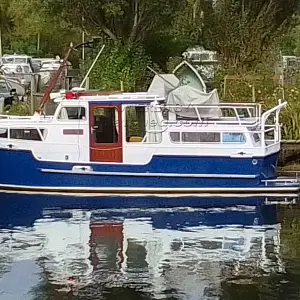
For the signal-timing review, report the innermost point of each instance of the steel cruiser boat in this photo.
(180, 141)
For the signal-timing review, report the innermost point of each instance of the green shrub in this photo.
(120, 65)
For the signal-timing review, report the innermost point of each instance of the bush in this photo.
(20, 109)
(120, 65)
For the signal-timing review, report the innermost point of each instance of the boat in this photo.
(176, 138)
(144, 143)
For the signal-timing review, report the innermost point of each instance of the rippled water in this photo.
(60, 248)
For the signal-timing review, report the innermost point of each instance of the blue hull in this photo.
(20, 167)
(20, 170)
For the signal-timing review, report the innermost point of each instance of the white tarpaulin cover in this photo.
(163, 84)
(168, 86)
(184, 97)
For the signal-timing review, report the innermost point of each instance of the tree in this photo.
(129, 21)
(244, 32)
(119, 66)
(184, 31)
(37, 33)
(5, 20)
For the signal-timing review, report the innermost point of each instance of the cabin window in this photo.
(256, 137)
(196, 137)
(142, 124)
(3, 133)
(72, 113)
(106, 125)
(135, 123)
(233, 137)
(25, 134)
(175, 137)
(201, 137)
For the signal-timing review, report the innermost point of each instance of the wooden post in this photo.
(253, 93)
(38, 42)
(1, 40)
(87, 83)
(224, 88)
(32, 91)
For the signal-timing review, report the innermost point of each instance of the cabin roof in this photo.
(115, 98)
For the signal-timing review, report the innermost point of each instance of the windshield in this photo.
(14, 60)
(7, 60)
(20, 60)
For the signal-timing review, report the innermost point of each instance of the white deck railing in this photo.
(235, 110)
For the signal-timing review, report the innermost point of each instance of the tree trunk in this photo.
(133, 33)
(1, 40)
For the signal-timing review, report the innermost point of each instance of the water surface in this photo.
(59, 248)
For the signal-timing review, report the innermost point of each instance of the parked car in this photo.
(51, 64)
(7, 93)
(17, 59)
(21, 72)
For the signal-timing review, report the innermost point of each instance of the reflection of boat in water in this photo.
(23, 210)
(186, 249)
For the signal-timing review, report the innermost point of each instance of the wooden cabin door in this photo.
(106, 133)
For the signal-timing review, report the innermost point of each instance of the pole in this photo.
(32, 91)
(253, 94)
(38, 42)
(83, 39)
(91, 67)
(1, 40)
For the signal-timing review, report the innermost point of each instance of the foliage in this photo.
(188, 23)
(20, 109)
(245, 32)
(119, 65)
(127, 20)
(290, 43)
(163, 46)
(30, 23)
(6, 22)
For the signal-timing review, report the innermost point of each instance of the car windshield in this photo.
(7, 60)
(20, 60)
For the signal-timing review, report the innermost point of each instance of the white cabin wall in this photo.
(141, 153)
(60, 147)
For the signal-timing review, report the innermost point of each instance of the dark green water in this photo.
(237, 252)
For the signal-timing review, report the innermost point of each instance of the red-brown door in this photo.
(106, 133)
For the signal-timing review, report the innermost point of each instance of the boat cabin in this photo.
(130, 128)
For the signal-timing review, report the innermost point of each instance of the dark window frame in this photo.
(80, 114)
(21, 134)
(108, 132)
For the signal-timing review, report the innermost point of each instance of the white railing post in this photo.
(266, 115)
